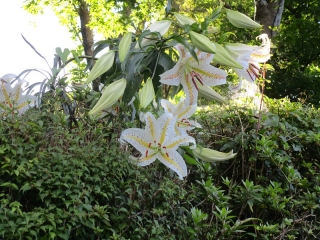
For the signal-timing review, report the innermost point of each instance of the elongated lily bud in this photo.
(240, 20)
(110, 96)
(202, 42)
(209, 155)
(210, 94)
(223, 57)
(124, 46)
(103, 64)
(184, 20)
(146, 95)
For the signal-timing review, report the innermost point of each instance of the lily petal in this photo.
(182, 111)
(165, 124)
(183, 140)
(174, 161)
(138, 138)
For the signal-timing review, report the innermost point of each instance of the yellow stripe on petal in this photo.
(151, 126)
(6, 95)
(163, 132)
(17, 93)
(179, 141)
(22, 105)
(209, 74)
(139, 140)
(190, 90)
(170, 161)
(144, 161)
(184, 112)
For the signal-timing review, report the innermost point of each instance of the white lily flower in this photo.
(12, 98)
(242, 52)
(249, 58)
(262, 53)
(158, 141)
(182, 111)
(188, 71)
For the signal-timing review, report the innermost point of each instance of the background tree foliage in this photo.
(297, 56)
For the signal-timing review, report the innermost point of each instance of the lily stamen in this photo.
(195, 75)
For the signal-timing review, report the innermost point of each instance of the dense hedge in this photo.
(58, 183)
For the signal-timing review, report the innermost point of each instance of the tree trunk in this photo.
(87, 36)
(268, 14)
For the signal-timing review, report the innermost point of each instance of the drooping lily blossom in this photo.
(249, 58)
(158, 141)
(242, 53)
(188, 72)
(262, 53)
(12, 100)
(182, 111)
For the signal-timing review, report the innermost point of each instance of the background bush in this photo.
(62, 183)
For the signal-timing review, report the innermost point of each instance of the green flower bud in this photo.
(202, 42)
(183, 20)
(110, 96)
(146, 94)
(209, 94)
(103, 64)
(223, 57)
(209, 155)
(124, 46)
(240, 20)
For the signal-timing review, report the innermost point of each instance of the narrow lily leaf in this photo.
(216, 12)
(209, 155)
(110, 96)
(240, 20)
(124, 46)
(189, 160)
(103, 64)
(202, 42)
(184, 20)
(146, 95)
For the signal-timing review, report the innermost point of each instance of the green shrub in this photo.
(62, 183)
